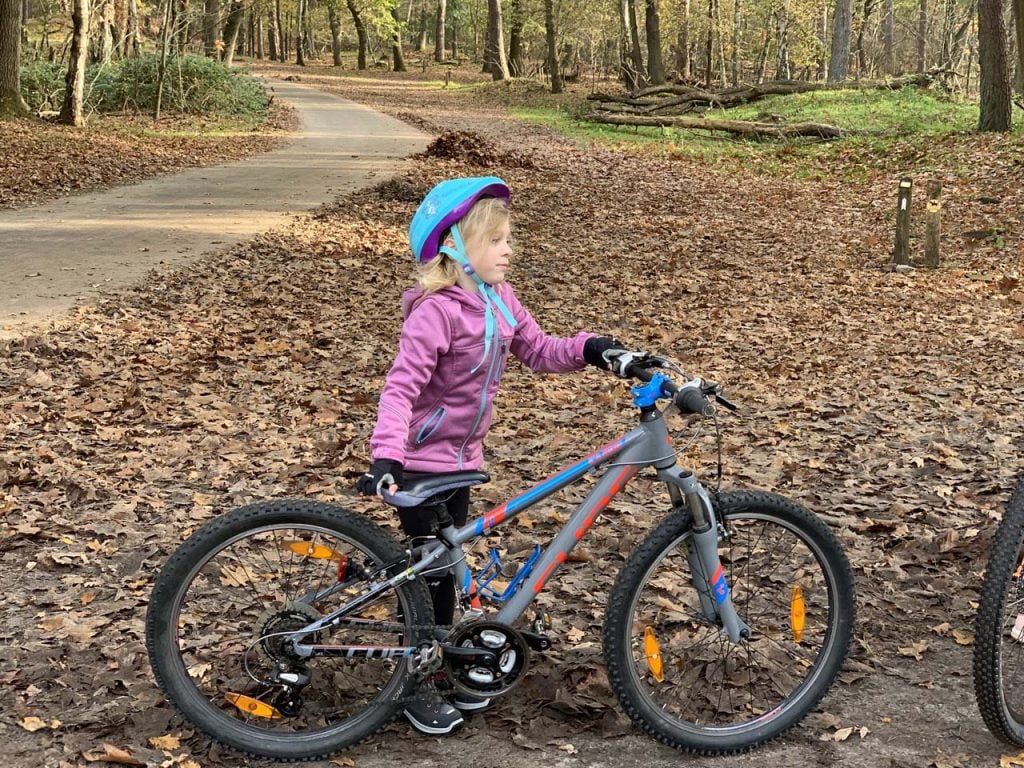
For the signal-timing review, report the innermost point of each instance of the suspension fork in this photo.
(708, 575)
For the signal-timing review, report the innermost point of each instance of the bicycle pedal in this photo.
(426, 661)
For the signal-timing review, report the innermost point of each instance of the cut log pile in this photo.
(682, 106)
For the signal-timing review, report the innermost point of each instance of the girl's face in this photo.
(489, 255)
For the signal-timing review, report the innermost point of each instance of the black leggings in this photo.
(419, 521)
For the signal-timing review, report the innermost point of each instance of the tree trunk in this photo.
(992, 62)
(260, 53)
(421, 39)
(710, 49)
(683, 42)
(357, 21)
(211, 25)
(634, 37)
(630, 77)
(737, 31)
(272, 35)
(655, 66)
(495, 54)
(889, 38)
(105, 33)
(842, 21)
(823, 37)
(1018, 25)
(552, 52)
(231, 27)
(783, 70)
(335, 21)
(397, 59)
(72, 110)
(282, 46)
(516, 62)
(300, 24)
(11, 102)
(862, 64)
(166, 33)
(922, 35)
(439, 31)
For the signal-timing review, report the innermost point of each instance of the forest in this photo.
(972, 50)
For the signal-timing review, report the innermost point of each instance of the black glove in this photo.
(383, 474)
(596, 346)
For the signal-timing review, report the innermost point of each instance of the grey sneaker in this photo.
(430, 713)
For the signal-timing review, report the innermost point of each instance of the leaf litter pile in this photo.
(888, 403)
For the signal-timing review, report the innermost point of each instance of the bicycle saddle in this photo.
(417, 490)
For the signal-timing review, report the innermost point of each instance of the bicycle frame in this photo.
(648, 445)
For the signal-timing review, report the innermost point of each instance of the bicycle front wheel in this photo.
(225, 609)
(676, 673)
(999, 629)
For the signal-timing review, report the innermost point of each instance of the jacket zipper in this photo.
(499, 347)
(430, 426)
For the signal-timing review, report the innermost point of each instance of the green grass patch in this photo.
(903, 130)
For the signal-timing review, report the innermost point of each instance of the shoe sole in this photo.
(433, 730)
(474, 707)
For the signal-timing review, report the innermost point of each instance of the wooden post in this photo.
(933, 230)
(901, 254)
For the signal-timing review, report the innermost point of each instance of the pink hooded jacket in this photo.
(435, 409)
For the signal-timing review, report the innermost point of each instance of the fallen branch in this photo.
(740, 127)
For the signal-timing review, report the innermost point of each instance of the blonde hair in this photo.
(485, 218)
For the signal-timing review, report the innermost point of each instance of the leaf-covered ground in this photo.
(888, 403)
(40, 161)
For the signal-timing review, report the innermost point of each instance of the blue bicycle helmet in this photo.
(443, 206)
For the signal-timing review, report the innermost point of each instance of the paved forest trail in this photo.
(67, 250)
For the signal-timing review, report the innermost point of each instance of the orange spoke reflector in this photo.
(797, 613)
(309, 549)
(251, 706)
(653, 653)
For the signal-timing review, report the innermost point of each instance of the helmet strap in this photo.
(487, 293)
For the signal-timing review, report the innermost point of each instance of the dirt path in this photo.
(71, 249)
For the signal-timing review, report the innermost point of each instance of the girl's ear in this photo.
(448, 242)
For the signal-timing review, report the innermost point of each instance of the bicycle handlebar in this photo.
(691, 397)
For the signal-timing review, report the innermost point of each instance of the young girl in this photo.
(461, 323)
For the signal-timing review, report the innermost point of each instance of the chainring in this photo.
(477, 678)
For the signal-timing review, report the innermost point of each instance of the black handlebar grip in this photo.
(690, 400)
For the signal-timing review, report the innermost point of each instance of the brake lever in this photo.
(714, 389)
(725, 403)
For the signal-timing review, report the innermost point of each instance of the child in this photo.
(460, 325)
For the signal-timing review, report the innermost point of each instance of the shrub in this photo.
(192, 85)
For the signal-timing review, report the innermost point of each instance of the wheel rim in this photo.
(709, 684)
(233, 608)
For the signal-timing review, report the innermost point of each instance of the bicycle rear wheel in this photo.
(224, 608)
(999, 629)
(680, 678)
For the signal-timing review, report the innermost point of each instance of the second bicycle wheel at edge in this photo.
(226, 600)
(998, 654)
(680, 678)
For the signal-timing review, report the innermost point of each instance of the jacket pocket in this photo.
(430, 426)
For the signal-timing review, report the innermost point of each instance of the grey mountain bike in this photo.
(999, 629)
(295, 629)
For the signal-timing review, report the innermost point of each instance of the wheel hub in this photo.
(273, 627)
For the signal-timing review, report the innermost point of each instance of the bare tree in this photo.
(922, 35)
(1018, 25)
(842, 21)
(211, 25)
(655, 66)
(439, 32)
(72, 110)
(516, 54)
(993, 67)
(552, 52)
(495, 60)
(357, 20)
(683, 41)
(889, 38)
(397, 59)
(335, 21)
(11, 102)
(231, 27)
